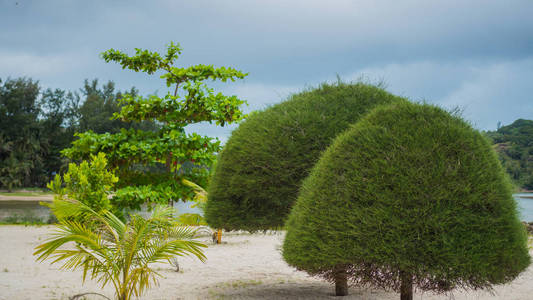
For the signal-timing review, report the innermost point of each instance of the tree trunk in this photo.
(219, 236)
(406, 289)
(341, 281)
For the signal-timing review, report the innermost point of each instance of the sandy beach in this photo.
(245, 266)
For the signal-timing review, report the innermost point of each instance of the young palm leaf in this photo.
(110, 251)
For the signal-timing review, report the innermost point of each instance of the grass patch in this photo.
(239, 284)
(28, 218)
(26, 193)
(216, 291)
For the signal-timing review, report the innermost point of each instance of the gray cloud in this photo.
(474, 54)
(485, 92)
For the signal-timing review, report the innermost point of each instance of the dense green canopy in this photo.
(409, 189)
(261, 167)
(514, 144)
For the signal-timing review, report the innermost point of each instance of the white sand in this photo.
(245, 267)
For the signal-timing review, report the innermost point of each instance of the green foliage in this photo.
(28, 217)
(133, 197)
(100, 104)
(412, 190)
(259, 172)
(200, 195)
(89, 183)
(35, 126)
(514, 144)
(58, 120)
(128, 147)
(148, 154)
(200, 199)
(191, 219)
(21, 150)
(199, 102)
(19, 107)
(170, 109)
(114, 252)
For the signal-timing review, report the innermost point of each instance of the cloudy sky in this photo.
(475, 55)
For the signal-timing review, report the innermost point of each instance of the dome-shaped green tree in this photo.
(410, 195)
(262, 165)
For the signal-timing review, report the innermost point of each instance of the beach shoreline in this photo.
(245, 266)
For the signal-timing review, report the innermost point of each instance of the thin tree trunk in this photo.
(341, 281)
(406, 289)
(169, 166)
(219, 236)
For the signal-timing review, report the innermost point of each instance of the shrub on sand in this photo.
(260, 169)
(411, 195)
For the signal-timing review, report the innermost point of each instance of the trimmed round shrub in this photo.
(262, 165)
(410, 195)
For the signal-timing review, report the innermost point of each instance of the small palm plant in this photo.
(111, 251)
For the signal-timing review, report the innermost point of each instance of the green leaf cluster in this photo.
(129, 147)
(200, 199)
(260, 169)
(409, 189)
(151, 62)
(90, 183)
(117, 253)
(181, 112)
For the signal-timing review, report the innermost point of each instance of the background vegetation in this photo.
(35, 125)
(514, 144)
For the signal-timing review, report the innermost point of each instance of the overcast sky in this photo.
(477, 55)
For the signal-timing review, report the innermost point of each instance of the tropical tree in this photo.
(19, 127)
(112, 252)
(152, 164)
(58, 120)
(259, 171)
(411, 195)
(34, 127)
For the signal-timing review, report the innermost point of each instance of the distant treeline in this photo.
(36, 124)
(514, 144)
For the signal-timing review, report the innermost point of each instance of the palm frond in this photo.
(64, 208)
(108, 250)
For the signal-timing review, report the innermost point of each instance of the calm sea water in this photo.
(525, 206)
(8, 208)
(33, 210)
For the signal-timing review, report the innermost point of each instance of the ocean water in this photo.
(9, 208)
(525, 206)
(33, 210)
